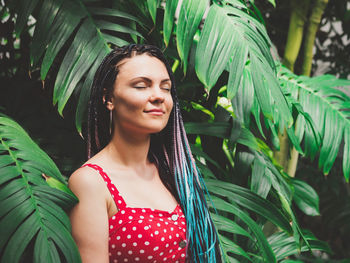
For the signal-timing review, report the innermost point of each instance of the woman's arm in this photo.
(89, 218)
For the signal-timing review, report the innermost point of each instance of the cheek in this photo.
(131, 102)
(170, 104)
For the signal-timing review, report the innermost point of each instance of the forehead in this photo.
(142, 65)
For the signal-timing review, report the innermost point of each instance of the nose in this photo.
(157, 94)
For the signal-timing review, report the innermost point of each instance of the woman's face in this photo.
(141, 100)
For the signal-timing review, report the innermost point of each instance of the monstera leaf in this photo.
(34, 226)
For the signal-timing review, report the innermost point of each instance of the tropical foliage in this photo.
(29, 206)
(235, 99)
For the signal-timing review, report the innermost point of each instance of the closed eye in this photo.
(166, 87)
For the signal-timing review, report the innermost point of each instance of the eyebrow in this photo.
(149, 80)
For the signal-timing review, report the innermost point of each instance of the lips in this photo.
(155, 111)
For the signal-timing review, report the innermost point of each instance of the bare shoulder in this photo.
(85, 180)
(89, 218)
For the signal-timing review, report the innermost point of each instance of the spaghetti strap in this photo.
(118, 199)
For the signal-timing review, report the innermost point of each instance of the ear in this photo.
(107, 101)
(109, 105)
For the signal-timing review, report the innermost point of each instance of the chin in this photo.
(155, 126)
(146, 129)
(155, 130)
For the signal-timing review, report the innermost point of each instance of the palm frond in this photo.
(243, 101)
(250, 201)
(306, 198)
(222, 130)
(191, 14)
(266, 179)
(152, 8)
(25, 8)
(239, 201)
(230, 39)
(31, 211)
(285, 246)
(231, 208)
(87, 32)
(168, 22)
(328, 107)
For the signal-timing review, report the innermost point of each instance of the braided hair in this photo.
(169, 150)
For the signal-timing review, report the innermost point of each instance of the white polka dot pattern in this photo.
(144, 234)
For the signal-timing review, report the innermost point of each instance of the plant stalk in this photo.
(295, 36)
(298, 18)
(310, 36)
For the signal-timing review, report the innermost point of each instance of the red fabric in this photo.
(144, 234)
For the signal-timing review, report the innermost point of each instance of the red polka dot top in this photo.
(144, 234)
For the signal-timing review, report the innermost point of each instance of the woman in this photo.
(153, 208)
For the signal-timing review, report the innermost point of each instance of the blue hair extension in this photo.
(202, 237)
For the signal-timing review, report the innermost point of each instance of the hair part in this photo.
(169, 150)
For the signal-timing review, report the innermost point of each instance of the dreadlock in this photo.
(169, 149)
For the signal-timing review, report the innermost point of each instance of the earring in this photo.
(110, 121)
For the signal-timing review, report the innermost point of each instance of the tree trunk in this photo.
(298, 18)
(314, 22)
(310, 36)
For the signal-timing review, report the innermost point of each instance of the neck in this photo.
(129, 149)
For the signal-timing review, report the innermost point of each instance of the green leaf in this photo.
(44, 249)
(236, 71)
(81, 34)
(85, 92)
(284, 245)
(249, 200)
(326, 106)
(331, 141)
(59, 32)
(260, 183)
(231, 247)
(217, 129)
(262, 243)
(191, 14)
(112, 12)
(75, 64)
(230, 36)
(42, 33)
(20, 239)
(243, 94)
(214, 48)
(247, 138)
(152, 8)
(346, 156)
(31, 210)
(199, 153)
(221, 130)
(272, 2)
(224, 224)
(105, 25)
(24, 9)
(168, 22)
(306, 198)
